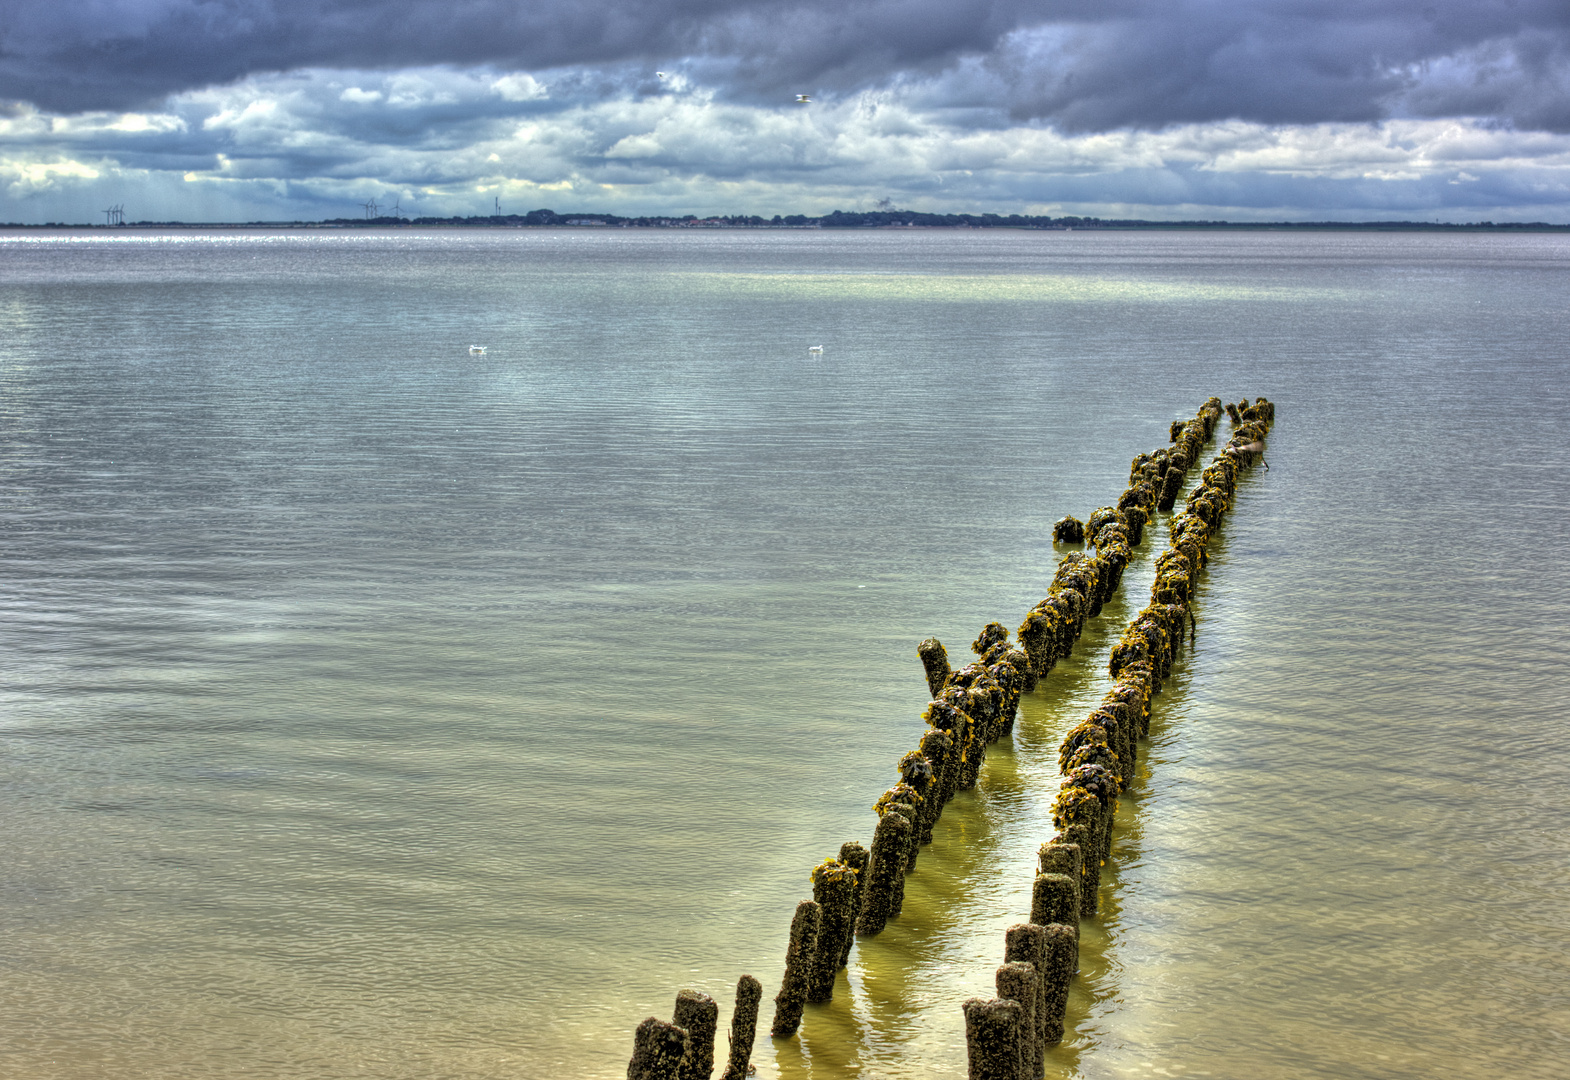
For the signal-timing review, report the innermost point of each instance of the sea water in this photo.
(373, 708)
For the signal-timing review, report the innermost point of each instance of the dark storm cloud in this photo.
(1078, 64)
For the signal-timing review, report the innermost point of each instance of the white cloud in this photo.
(439, 138)
(519, 86)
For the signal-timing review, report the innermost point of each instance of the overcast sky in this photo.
(1455, 110)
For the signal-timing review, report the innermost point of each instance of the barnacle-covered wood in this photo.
(1062, 962)
(916, 772)
(792, 998)
(887, 863)
(1026, 943)
(834, 890)
(657, 1050)
(856, 857)
(937, 746)
(1018, 981)
(935, 659)
(743, 1028)
(698, 1013)
(992, 1037)
(1054, 898)
(1069, 530)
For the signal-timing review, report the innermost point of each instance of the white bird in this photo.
(477, 350)
(815, 349)
(803, 99)
(660, 74)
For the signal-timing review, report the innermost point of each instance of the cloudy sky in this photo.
(1455, 110)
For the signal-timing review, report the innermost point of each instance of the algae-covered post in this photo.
(992, 1035)
(792, 998)
(884, 867)
(657, 1051)
(743, 1028)
(1027, 943)
(697, 1012)
(834, 890)
(856, 857)
(1062, 964)
(1018, 981)
(936, 661)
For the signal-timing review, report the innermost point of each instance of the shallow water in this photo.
(373, 709)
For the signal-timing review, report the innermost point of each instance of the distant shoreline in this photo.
(882, 219)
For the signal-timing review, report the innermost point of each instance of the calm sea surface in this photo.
(369, 709)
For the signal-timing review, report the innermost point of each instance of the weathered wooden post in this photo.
(1018, 981)
(792, 998)
(856, 857)
(938, 748)
(992, 1031)
(657, 1051)
(834, 889)
(915, 771)
(884, 867)
(935, 659)
(1055, 857)
(1027, 943)
(1054, 901)
(697, 1012)
(743, 1028)
(1062, 965)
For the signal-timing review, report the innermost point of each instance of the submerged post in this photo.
(992, 1030)
(1018, 981)
(657, 1051)
(1027, 943)
(697, 1012)
(792, 998)
(1062, 951)
(833, 888)
(854, 856)
(743, 1028)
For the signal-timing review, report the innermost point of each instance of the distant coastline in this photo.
(838, 219)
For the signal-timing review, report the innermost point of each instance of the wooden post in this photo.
(743, 1028)
(1017, 981)
(792, 998)
(1027, 943)
(657, 1051)
(833, 888)
(697, 1012)
(992, 1038)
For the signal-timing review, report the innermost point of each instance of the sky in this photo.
(239, 110)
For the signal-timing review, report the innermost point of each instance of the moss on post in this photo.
(884, 867)
(1018, 981)
(854, 856)
(697, 1012)
(1027, 943)
(792, 998)
(657, 1051)
(1062, 964)
(938, 748)
(935, 659)
(834, 891)
(743, 1028)
(992, 1032)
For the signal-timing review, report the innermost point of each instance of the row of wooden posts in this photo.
(1007, 1036)
(859, 890)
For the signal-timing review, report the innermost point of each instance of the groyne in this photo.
(857, 891)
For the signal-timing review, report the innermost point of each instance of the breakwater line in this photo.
(857, 892)
(1007, 1035)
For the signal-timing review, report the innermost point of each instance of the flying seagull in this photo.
(661, 74)
(803, 99)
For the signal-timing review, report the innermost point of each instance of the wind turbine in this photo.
(397, 208)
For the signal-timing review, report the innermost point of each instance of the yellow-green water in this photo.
(372, 709)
